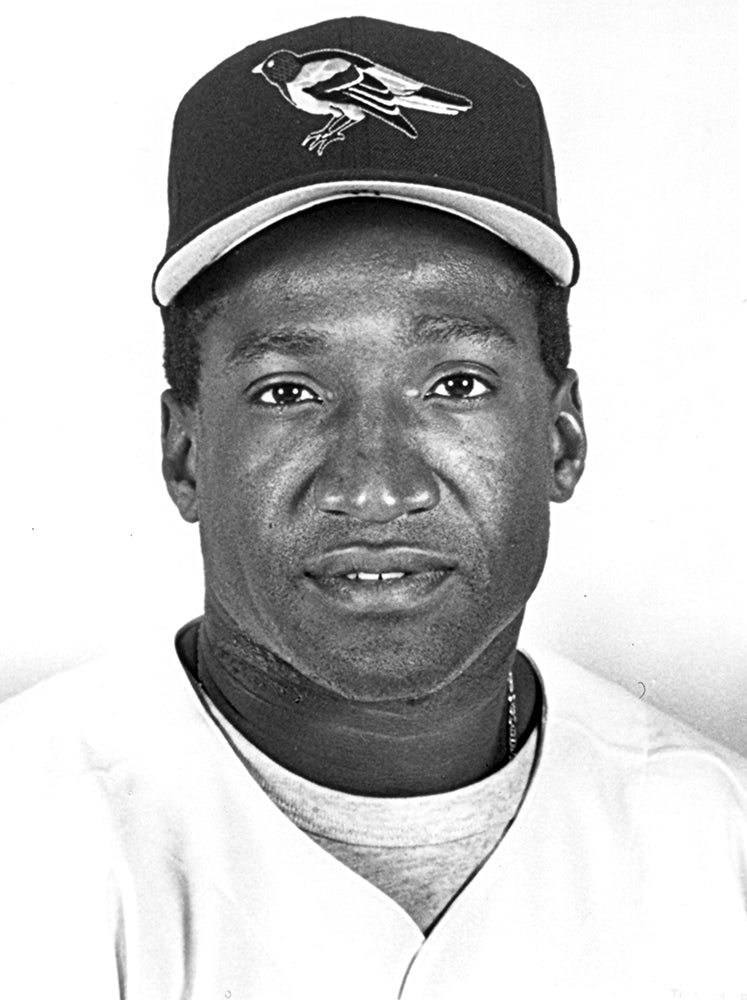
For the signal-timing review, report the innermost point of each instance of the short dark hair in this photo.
(183, 325)
(185, 319)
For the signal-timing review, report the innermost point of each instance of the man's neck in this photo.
(403, 747)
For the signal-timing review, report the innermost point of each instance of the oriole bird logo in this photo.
(347, 87)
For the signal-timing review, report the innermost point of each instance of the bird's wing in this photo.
(355, 85)
(325, 78)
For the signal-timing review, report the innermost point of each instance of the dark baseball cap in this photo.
(357, 107)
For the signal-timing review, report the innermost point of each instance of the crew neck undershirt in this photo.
(420, 850)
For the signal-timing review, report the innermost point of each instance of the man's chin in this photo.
(383, 669)
(389, 655)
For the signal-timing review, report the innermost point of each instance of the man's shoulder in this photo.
(93, 714)
(64, 704)
(602, 719)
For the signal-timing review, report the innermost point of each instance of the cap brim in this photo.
(549, 247)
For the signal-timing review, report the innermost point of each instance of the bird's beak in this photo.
(257, 69)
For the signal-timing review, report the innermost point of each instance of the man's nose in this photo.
(375, 472)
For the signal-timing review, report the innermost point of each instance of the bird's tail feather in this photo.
(455, 101)
(419, 103)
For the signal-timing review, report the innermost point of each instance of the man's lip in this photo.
(377, 559)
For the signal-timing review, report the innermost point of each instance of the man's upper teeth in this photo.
(374, 576)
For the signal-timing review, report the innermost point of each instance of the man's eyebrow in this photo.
(426, 330)
(445, 329)
(256, 344)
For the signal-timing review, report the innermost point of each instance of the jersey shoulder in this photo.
(628, 731)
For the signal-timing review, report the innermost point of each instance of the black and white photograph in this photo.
(373, 526)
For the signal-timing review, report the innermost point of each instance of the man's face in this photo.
(374, 449)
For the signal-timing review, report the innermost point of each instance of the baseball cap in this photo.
(359, 107)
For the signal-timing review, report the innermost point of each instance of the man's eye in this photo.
(284, 393)
(460, 386)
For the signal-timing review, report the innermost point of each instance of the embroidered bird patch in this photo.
(347, 87)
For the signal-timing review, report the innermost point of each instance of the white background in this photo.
(646, 580)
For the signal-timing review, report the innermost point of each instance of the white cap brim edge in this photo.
(522, 231)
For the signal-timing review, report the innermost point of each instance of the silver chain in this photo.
(513, 738)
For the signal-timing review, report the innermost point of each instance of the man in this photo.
(351, 782)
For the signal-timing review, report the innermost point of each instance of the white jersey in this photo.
(140, 860)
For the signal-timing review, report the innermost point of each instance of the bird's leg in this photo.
(313, 138)
(332, 132)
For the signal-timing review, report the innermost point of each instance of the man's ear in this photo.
(179, 455)
(568, 438)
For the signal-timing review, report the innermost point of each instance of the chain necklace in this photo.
(512, 716)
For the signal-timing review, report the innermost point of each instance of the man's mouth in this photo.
(374, 577)
(378, 578)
